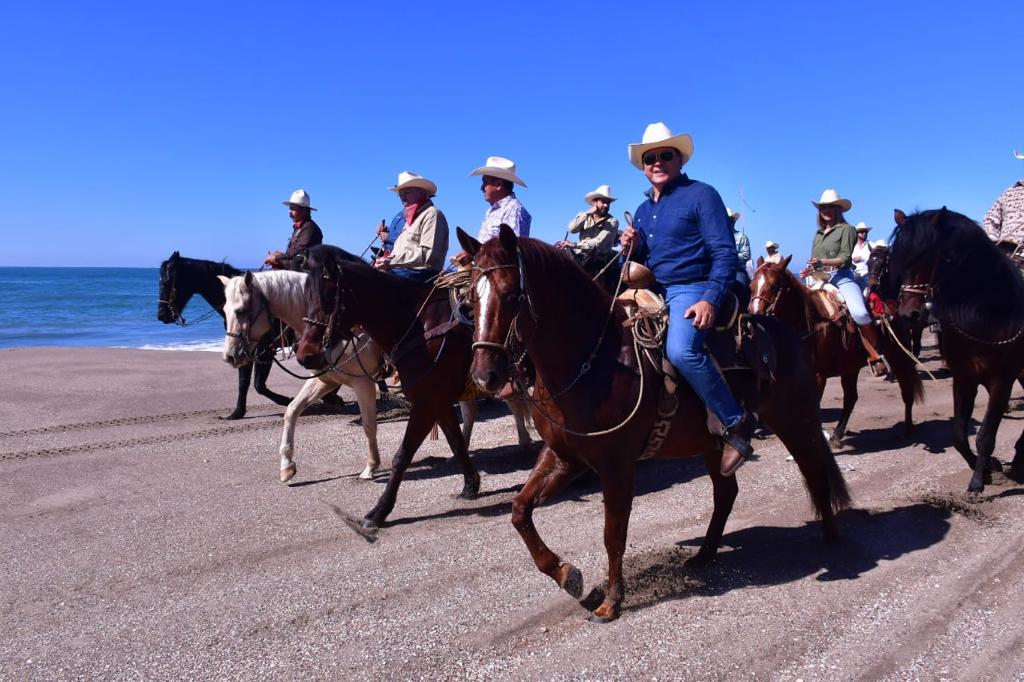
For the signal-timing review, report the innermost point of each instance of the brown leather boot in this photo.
(870, 337)
(737, 445)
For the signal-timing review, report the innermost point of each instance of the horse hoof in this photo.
(367, 474)
(605, 613)
(369, 525)
(995, 465)
(471, 490)
(288, 473)
(973, 487)
(571, 580)
(233, 416)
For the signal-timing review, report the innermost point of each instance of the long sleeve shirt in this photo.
(596, 234)
(742, 251)
(861, 253)
(836, 243)
(685, 237)
(306, 235)
(423, 244)
(1004, 222)
(509, 211)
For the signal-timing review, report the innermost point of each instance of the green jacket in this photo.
(838, 243)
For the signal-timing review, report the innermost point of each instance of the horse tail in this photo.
(838, 494)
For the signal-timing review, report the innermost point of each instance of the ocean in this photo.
(106, 307)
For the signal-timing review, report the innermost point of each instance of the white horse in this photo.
(252, 299)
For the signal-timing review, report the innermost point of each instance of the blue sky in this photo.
(129, 130)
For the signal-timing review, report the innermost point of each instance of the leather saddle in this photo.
(829, 304)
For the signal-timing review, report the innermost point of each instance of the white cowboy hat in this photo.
(862, 226)
(1018, 155)
(499, 167)
(299, 198)
(733, 215)
(770, 245)
(658, 135)
(831, 198)
(879, 242)
(602, 192)
(407, 179)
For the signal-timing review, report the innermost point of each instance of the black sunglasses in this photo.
(651, 158)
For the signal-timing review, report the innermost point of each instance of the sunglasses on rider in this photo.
(650, 158)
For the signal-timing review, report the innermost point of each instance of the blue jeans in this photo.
(853, 293)
(416, 275)
(685, 350)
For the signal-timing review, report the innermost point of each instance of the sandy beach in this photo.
(144, 537)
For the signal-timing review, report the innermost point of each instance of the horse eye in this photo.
(239, 311)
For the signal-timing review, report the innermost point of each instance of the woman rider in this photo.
(832, 254)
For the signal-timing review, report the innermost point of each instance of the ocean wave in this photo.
(208, 346)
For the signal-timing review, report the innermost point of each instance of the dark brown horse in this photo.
(421, 338)
(909, 332)
(595, 401)
(834, 352)
(976, 294)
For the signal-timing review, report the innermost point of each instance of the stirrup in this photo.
(886, 367)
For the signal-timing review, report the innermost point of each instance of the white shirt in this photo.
(861, 253)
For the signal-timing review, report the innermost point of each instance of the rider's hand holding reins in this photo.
(628, 237)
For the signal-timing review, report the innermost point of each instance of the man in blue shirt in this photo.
(682, 233)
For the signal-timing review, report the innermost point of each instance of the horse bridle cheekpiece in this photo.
(513, 337)
(336, 310)
(244, 333)
(172, 296)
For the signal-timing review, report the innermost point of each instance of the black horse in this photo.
(977, 296)
(908, 333)
(180, 279)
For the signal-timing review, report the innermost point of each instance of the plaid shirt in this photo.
(509, 211)
(1004, 222)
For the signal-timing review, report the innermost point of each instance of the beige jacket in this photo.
(594, 233)
(424, 244)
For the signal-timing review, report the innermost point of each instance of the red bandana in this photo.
(411, 209)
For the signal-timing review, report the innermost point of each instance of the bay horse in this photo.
(977, 296)
(182, 278)
(594, 400)
(252, 303)
(834, 352)
(424, 341)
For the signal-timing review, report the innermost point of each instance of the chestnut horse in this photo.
(422, 338)
(594, 400)
(834, 352)
(977, 296)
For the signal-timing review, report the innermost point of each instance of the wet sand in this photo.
(144, 537)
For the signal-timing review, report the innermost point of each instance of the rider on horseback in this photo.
(683, 235)
(596, 226)
(305, 232)
(831, 256)
(422, 244)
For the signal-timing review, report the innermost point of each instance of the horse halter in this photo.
(771, 302)
(245, 328)
(513, 334)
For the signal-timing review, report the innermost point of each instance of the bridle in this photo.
(244, 335)
(171, 298)
(336, 310)
(514, 345)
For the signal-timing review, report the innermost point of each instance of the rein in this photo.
(179, 319)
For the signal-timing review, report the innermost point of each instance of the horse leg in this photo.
(998, 396)
(366, 397)
(469, 409)
(308, 394)
(419, 425)
(244, 376)
(549, 475)
(915, 339)
(724, 491)
(1017, 466)
(618, 503)
(964, 393)
(471, 477)
(521, 411)
(849, 383)
(261, 370)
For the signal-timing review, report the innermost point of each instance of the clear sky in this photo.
(128, 130)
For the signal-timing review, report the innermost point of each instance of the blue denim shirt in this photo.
(685, 237)
(394, 229)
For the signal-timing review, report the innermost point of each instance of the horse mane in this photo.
(206, 266)
(977, 287)
(572, 281)
(811, 315)
(335, 260)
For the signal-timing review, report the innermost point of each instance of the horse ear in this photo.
(468, 243)
(248, 278)
(785, 261)
(175, 256)
(508, 238)
(760, 261)
(224, 280)
(900, 216)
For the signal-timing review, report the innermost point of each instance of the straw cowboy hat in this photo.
(602, 192)
(733, 215)
(770, 245)
(862, 227)
(407, 180)
(299, 198)
(879, 242)
(658, 135)
(831, 198)
(498, 167)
